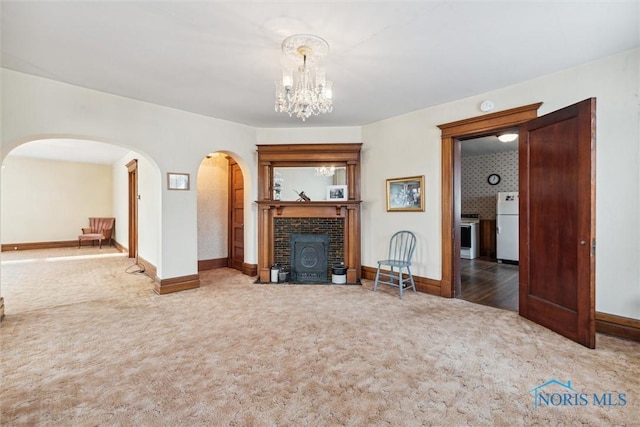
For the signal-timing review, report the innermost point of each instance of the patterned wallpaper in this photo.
(478, 196)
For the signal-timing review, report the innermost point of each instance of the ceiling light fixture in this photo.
(304, 91)
(325, 171)
(508, 137)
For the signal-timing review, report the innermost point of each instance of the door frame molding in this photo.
(451, 182)
(132, 168)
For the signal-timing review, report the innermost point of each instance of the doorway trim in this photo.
(132, 168)
(451, 166)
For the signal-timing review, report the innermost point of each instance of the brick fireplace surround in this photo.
(284, 228)
(339, 219)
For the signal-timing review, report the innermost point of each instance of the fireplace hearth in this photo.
(309, 254)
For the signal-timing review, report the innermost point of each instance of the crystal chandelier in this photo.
(325, 171)
(304, 91)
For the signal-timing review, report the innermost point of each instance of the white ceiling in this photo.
(221, 58)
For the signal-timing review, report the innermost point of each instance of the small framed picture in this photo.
(405, 194)
(337, 192)
(177, 181)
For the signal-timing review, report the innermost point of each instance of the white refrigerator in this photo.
(507, 228)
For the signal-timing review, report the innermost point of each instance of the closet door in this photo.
(236, 216)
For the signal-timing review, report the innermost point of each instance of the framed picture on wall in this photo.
(177, 181)
(337, 192)
(405, 194)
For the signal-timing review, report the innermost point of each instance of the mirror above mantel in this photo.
(295, 168)
(288, 182)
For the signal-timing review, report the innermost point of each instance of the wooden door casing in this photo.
(132, 168)
(451, 200)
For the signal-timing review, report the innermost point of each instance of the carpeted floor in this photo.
(85, 343)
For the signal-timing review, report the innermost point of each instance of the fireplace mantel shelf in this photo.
(319, 208)
(340, 203)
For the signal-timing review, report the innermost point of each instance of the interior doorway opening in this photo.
(452, 135)
(489, 174)
(558, 147)
(220, 186)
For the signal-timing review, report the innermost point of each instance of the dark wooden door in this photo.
(557, 221)
(236, 216)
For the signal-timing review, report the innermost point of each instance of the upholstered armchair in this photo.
(99, 229)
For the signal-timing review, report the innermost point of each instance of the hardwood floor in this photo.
(489, 283)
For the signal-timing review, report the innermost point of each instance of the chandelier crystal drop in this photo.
(304, 90)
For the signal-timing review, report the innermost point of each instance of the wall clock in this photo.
(493, 179)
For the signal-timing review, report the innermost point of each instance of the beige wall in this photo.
(174, 140)
(410, 145)
(149, 190)
(47, 200)
(401, 146)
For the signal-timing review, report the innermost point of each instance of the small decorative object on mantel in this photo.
(277, 186)
(337, 192)
(302, 197)
(405, 194)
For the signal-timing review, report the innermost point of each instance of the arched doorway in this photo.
(52, 186)
(68, 180)
(220, 187)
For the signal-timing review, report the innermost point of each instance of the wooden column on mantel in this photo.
(309, 155)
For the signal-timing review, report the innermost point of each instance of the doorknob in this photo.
(583, 242)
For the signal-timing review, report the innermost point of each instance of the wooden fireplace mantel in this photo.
(270, 156)
(308, 209)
